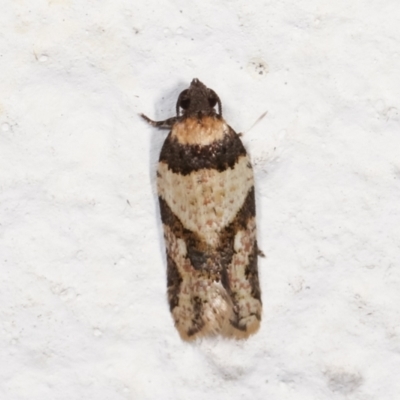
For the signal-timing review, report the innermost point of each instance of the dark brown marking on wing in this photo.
(197, 320)
(170, 219)
(201, 256)
(220, 155)
(174, 281)
(247, 211)
(242, 218)
(251, 273)
(227, 236)
(235, 323)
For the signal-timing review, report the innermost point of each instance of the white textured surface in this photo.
(82, 286)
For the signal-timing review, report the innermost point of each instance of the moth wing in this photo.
(208, 216)
(243, 281)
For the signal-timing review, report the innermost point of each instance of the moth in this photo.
(206, 195)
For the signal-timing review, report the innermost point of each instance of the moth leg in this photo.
(167, 124)
(260, 253)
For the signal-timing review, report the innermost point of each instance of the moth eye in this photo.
(212, 101)
(184, 103)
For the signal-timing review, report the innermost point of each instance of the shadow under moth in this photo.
(206, 195)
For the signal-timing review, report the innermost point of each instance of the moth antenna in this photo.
(257, 121)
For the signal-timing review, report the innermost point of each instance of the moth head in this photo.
(198, 100)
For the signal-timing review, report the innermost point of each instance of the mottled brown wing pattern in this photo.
(206, 194)
(208, 216)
